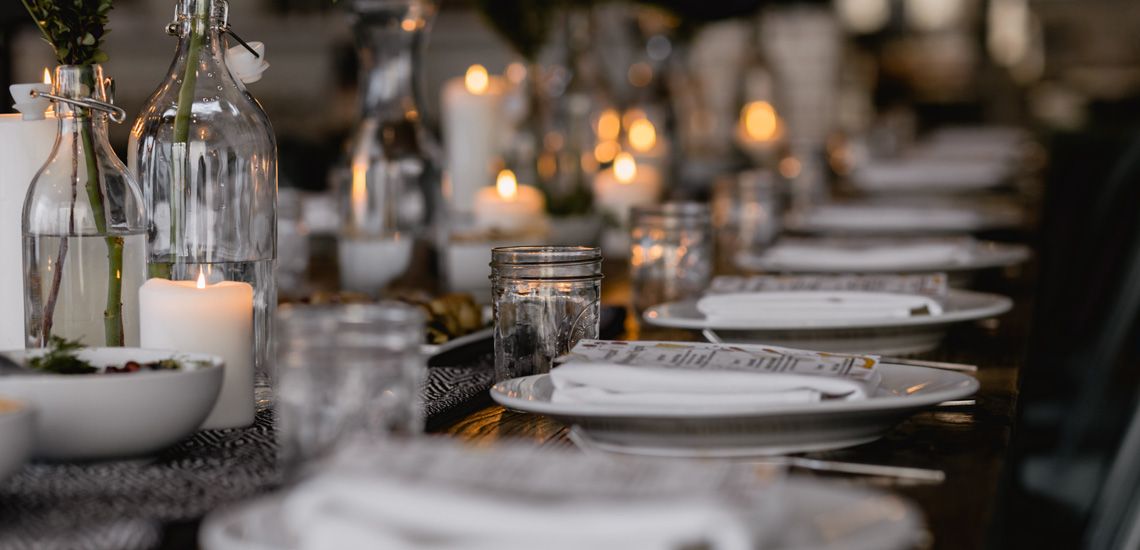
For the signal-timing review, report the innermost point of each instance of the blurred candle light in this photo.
(476, 80)
(609, 125)
(642, 135)
(508, 206)
(760, 121)
(625, 185)
(606, 151)
(625, 168)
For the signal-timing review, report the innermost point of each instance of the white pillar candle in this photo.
(192, 316)
(471, 133)
(24, 146)
(509, 207)
(367, 264)
(624, 186)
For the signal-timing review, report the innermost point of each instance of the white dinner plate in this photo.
(815, 516)
(957, 306)
(903, 219)
(756, 430)
(982, 255)
(884, 336)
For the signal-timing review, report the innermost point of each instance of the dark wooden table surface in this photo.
(968, 443)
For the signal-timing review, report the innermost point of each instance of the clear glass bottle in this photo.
(83, 228)
(546, 299)
(206, 156)
(386, 199)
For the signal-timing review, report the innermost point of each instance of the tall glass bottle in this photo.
(386, 199)
(83, 228)
(206, 156)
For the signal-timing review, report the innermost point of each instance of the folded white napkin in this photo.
(807, 256)
(446, 497)
(766, 307)
(708, 377)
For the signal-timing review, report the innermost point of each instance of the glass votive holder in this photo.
(347, 372)
(746, 212)
(546, 299)
(671, 253)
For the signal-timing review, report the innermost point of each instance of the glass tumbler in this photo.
(347, 372)
(671, 254)
(746, 210)
(546, 299)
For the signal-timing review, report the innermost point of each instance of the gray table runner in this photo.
(124, 505)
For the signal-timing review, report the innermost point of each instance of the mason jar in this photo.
(546, 299)
(671, 253)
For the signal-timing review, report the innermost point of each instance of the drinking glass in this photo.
(746, 210)
(347, 372)
(671, 253)
(546, 299)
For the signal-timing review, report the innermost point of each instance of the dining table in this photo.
(968, 441)
(160, 502)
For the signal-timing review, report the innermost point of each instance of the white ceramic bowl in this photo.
(101, 416)
(17, 434)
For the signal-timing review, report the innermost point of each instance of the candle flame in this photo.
(47, 76)
(609, 125)
(760, 121)
(202, 279)
(642, 135)
(359, 190)
(625, 168)
(605, 151)
(507, 185)
(477, 80)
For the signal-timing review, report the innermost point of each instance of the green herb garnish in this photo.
(62, 358)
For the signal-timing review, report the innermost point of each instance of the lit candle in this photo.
(509, 207)
(760, 128)
(195, 317)
(25, 143)
(625, 186)
(471, 108)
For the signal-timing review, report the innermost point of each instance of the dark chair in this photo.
(1073, 451)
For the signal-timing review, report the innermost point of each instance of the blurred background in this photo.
(1057, 65)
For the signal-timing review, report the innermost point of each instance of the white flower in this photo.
(243, 65)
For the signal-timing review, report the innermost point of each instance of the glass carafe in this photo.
(386, 199)
(83, 227)
(206, 156)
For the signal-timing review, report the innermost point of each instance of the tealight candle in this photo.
(192, 316)
(509, 207)
(471, 117)
(626, 185)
